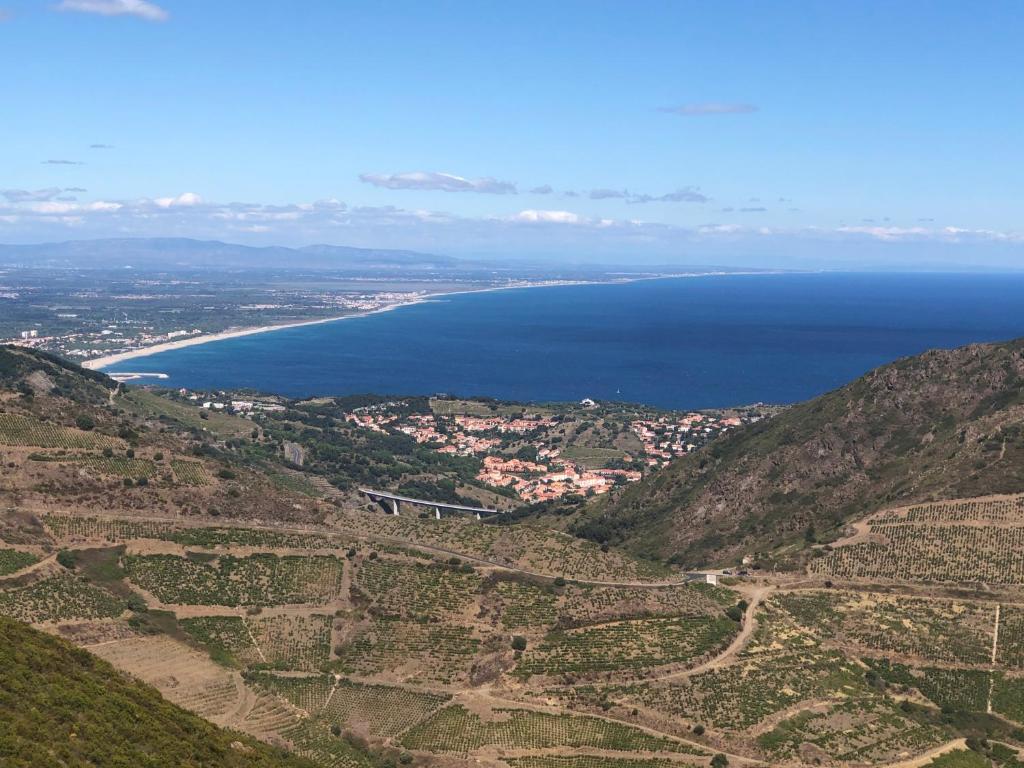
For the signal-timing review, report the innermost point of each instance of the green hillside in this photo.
(62, 706)
(945, 424)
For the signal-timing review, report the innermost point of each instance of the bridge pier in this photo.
(392, 503)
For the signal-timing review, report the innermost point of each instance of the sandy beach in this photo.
(98, 363)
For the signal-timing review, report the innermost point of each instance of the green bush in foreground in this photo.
(60, 705)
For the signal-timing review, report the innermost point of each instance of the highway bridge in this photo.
(394, 501)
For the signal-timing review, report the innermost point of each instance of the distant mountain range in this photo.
(180, 252)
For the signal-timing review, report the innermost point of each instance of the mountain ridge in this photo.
(945, 423)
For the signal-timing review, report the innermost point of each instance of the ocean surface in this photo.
(677, 343)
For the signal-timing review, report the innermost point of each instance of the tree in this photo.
(66, 559)
(719, 761)
(85, 422)
(518, 643)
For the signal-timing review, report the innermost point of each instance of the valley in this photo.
(172, 542)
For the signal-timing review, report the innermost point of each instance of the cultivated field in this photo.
(438, 642)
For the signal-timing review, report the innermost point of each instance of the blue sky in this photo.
(789, 134)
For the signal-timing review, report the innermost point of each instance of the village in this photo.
(529, 455)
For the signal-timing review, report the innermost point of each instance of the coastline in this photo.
(99, 363)
(105, 361)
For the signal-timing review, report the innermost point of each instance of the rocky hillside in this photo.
(63, 706)
(948, 423)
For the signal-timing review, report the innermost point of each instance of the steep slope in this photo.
(63, 706)
(72, 439)
(945, 424)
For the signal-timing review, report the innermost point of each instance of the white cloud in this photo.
(445, 182)
(138, 8)
(185, 199)
(708, 108)
(548, 217)
(929, 234)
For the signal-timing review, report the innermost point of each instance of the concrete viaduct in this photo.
(393, 500)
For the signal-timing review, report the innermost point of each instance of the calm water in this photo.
(686, 343)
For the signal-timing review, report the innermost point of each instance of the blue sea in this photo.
(677, 343)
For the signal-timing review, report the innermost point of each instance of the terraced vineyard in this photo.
(415, 590)
(57, 598)
(629, 645)
(588, 604)
(259, 580)
(379, 643)
(967, 541)
(531, 548)
(457, 730)
(1010, 652)
(858, 731)
(1008, 697)
(524, 605)
(107, 529)
(412, 650)
(378, 710)
(121, 466)
(965, 690)
(593, 761)
(939, 630)
(289, 642)
(189, 472)
(12, 560)
(19, 430)
(120, 529)
(741, 695)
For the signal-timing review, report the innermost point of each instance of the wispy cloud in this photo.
(25, 195)
(444, 182)
(709, 108)
(5, 15)
(62, 162)
(138, 8)
(684, 195)
(608, 194)
(101, 146)
(543, 189)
